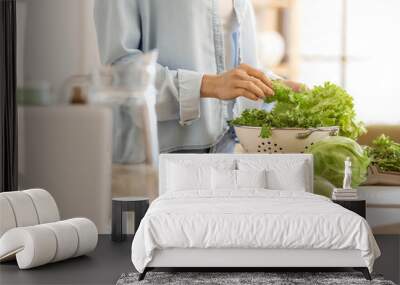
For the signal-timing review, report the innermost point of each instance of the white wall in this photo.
(60, 40)
(374, 35)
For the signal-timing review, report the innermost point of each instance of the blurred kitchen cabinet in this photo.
(278, 21)
(58, 41)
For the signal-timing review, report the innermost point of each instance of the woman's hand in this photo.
(243, 81)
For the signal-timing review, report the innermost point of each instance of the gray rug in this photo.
(236, 278)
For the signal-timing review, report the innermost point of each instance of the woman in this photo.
(207, 62)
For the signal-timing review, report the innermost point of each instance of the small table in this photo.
(356, 206)
(139, 205)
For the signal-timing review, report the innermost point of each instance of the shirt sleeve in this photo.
(250, 56)
(249, 41)
(248, 47)
(119, 37)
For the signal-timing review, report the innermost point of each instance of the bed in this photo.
(246, 211)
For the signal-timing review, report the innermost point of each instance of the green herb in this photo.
(266, 131)
(385, 153)
(323, 106)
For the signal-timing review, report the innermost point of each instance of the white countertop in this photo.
(380, 195)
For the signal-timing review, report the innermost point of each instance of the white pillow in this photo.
(281, 174)
(223, 179)
(251, 178)
(237, 179)
(193, 174)
(188, 177)
(293, 180)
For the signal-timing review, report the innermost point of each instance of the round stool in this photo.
(139, 205)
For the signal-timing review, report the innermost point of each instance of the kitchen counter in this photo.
(383, 208)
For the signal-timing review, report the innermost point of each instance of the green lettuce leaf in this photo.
(323, 106)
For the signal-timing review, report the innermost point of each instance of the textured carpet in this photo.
(233, 278)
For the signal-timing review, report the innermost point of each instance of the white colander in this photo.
(285, 140)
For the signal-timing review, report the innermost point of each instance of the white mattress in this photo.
(253, 218)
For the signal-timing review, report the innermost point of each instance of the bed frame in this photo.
(260, 259)
(237, 259)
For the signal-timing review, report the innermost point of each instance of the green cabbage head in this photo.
(323, 187)
(329, 156)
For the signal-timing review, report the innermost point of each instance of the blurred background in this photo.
(68, 146)
(353, 43)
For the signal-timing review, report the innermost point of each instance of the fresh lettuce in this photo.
(323, 106)
(323, 187)
(329, 156)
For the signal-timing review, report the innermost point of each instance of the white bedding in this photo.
(252, 218)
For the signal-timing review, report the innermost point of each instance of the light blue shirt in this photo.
(188, 35)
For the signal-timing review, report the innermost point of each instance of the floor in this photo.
(110, 260)
(389, 262)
